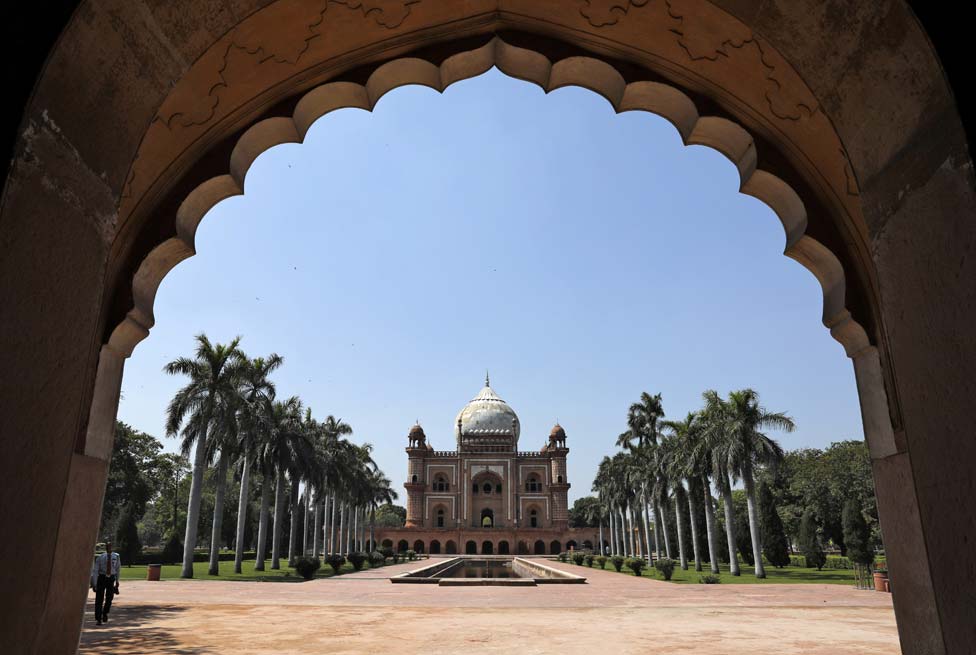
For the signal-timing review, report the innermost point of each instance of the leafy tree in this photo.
(132, 477)
(127, 538)
(775, 547)
(857, 536)
(582, 514)
(810, 541)
(391, 516)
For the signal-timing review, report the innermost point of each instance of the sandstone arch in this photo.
(870, 144)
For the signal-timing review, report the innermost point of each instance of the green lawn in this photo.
(787, 575)
(285, 574)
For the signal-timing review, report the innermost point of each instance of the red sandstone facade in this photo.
(487, 497)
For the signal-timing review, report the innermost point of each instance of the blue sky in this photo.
(580, 256)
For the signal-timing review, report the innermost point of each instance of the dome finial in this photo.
(487, 384)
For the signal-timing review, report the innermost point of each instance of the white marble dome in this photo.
(487, 417)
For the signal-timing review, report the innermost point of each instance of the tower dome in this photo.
(487, 419)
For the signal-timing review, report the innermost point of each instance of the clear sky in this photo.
(580, 256)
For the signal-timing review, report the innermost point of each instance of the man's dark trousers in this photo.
(104, 592)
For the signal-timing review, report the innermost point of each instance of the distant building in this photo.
(487, 497)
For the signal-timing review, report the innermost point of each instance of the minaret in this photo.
(415, 484)
(557, 450)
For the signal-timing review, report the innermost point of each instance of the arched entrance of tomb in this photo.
(387, 543)
(866, 197)
(435, 547)
(503, 547)
(403, 546)
(418, 546)
(571, 545)
(487, 548)
(523, 548)
(450, 548)
(487, 518)
(587, 545)
(554, 547)
(471, 548)
(539, 548)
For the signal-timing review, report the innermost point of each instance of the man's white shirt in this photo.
(104, 566)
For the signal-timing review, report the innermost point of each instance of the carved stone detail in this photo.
(386, 13)
(607, 12)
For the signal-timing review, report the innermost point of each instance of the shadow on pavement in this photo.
(128, 632)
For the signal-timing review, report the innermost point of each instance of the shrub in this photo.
(588, 558)
(388, 553)
(709, 579)
(601, 560)
(335, 561)
(376, 559)
(636, 564)
(578, 558)
(774, 543)
(357, 560)
(173, 550)
(411, 555)
(857, 536)
(666, 567)
(810, 541)
(307, 566)
(563, 557)
(127, 543)
(618, 562)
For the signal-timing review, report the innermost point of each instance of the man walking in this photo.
(105, 582)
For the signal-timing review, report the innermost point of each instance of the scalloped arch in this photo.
(723, 135)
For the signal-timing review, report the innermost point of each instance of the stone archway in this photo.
(874, 201)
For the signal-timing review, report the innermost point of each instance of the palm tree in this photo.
(255, 391)
(683, 465)
(698, 468)
(283, 448)
(745, 446)
(380, 493)
(329, 447)
(643, 420)
(201, 408)
(715, 416)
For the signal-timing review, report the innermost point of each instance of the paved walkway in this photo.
(611, 614)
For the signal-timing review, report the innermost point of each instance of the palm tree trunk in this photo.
(613, 533)
(710, 526)
(218, 517)
(242, 513)
(263, 523)
(730, 527)
(623, 531)
(630, 531)
(693, 514)
(295, 523)
(372, 526)
(602, 552)
(317, 525)
(304, 508)
(648, 530)
(750, 486)
(193, 507)
(664, 529)
(279, 520)
(355, 529)
(657, 536)
(682, 557)
(332, 527)
(342, 526)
